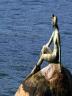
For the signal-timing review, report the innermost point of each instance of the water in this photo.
(25, 25)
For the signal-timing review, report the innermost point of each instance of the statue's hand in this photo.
(44, 49)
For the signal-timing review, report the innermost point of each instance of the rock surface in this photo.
(49, 81)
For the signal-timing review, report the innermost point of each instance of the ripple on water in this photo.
(3, 75)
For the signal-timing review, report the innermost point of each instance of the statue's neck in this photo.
(55, 27)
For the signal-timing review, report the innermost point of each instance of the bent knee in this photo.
(44, 50)
(46, 57)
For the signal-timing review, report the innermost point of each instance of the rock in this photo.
(49, 81)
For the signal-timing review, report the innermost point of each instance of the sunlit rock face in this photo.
(47, 83)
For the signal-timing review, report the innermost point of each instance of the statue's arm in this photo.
(50, 40)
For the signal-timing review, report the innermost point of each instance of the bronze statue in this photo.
(52, 56)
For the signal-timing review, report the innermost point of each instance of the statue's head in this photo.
(54, 20)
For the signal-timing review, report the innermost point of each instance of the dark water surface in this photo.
(25, 26)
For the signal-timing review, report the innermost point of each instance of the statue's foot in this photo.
(35, 70)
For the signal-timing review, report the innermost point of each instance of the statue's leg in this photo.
(43, 56)
(46, 57)
(36, 68)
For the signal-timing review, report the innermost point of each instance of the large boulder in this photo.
(50, 81)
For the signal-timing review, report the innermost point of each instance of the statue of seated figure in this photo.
(51, 56)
